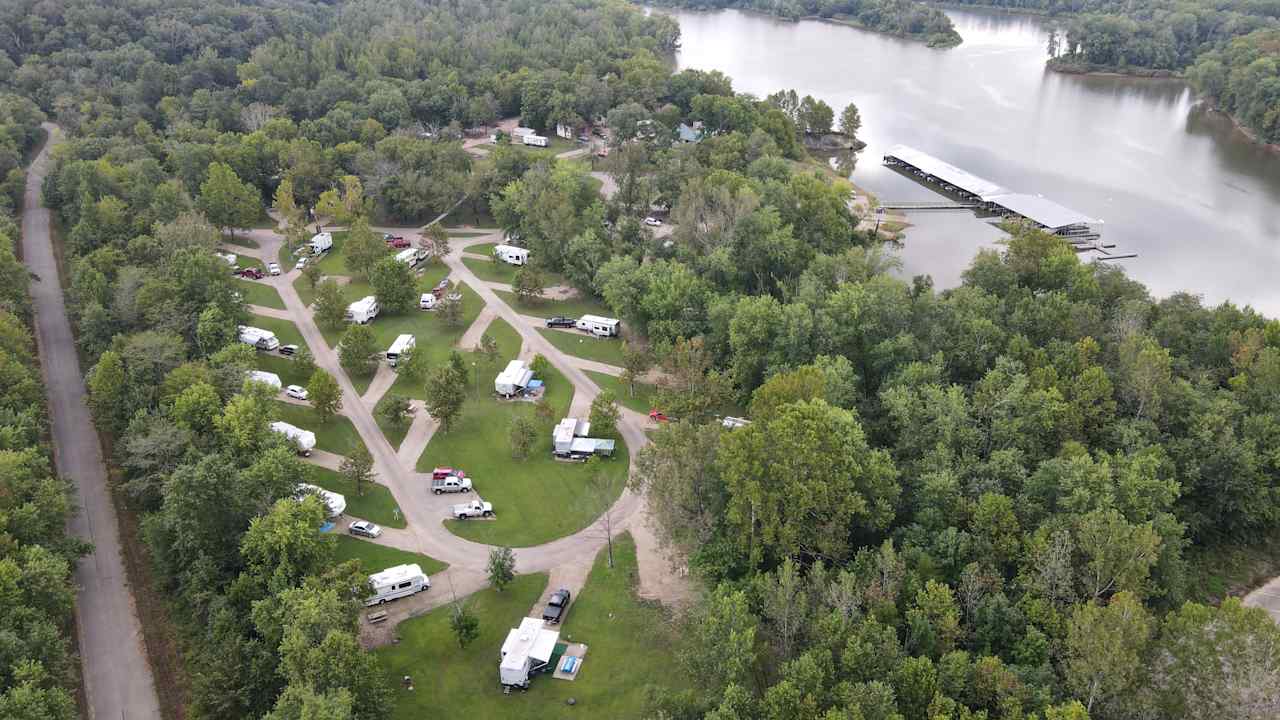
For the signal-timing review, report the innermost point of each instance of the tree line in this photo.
(1226, 49)
(903, 18)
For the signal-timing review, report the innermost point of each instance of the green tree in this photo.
(800, 483)
(636, 360)
(325, 395)
(527, 285)
(502, 567)
(312, 274)
(395, 410)
(604, 415)
(358, 351)
(346, 206)
(414, 365)
(197, 408)
(364, 248)
(523, 433)
(394, 284)
(722, 639)
(1106, 649)
(304, 364)
(934, 621)
(282, 548)
(445, 395)
(107, 392)
(450, 306)
(489, 349)
(435, 240)
(330, 306)
(357, 466)
(464, 624)
(214, 330)
(850, 121)
(228, 202)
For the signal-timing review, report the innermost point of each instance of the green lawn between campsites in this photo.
(376, 558)
(283, 366)
(586, 345)
(643, 399)
(286, 332)
(376, 504)
(255, 292)
(337, 436)
(575, 308)
(629, 649)
(535, 500)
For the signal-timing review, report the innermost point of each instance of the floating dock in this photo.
(1082, 231)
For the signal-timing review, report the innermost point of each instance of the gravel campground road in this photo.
(117, 676)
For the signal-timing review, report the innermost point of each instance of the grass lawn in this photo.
(491, 270)
(577, 307)
(394, 435)
(285, 330)
(376, 558)
(641, 402)
(283, 366)
(257, 293)
(485, 249)
(431, 335)
(629, 648)
(359, 288)
(586, 346)
(337, 436)
(537, 499)
(468, 233)
(377, 503)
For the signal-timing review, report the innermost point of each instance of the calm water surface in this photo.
(1174, 182)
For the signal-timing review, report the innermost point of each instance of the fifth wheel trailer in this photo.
(304, 440)
(527, 650)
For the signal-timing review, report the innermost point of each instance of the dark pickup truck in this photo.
(556, 606)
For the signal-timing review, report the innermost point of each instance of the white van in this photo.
(403, 344)
(599, 326)
(397, 582)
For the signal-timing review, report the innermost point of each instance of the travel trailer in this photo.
(363, 310)
(600, 326)
(403, 344)
(304, 440)
(527, 650)
(513, 379)
(511, 255)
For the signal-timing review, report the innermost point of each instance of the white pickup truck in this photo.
(475, 508)
(450, 483)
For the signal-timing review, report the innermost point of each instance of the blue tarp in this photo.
(326, 527)
(533, 385)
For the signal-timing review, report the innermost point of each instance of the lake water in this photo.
(1174, 182)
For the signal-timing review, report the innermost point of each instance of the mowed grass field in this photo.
(585, 345)
(256, 292)
(376, 504)
(282, 366)
(535, 500)
(575, 308)
(337, 436)
(376, 558)
(643, 399)
(286, 332)
(630, 648)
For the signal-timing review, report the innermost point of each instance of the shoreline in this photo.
(831, 20)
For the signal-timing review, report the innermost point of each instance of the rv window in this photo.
(403, 585)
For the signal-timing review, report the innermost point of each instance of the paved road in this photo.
(117, 678)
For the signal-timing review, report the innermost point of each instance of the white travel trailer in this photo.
(535, 140)
(596, 325)
(305, 440)
(409, 256)
(266, 378)
(511, 254)
(526, 650)
(569, 440)
(257, 337)
(397, 582)
(334, 503)
(513, 379)
(518, 133)
(402, 344)
(363, 310)
(320, 242)
(230, 258)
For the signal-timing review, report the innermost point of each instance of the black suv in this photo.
(556, 606)
(561, 322)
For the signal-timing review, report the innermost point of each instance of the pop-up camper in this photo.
(527, 650)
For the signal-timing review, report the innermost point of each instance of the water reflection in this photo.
(1174, 182)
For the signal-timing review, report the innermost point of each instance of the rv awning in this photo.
(544, 645)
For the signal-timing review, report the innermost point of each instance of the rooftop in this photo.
(947, 172)
(1042, 210)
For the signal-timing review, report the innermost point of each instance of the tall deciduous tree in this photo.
(850, 121)
(464, 624)
(325, 395)
(604, 414)
(445, 395)
(227, 201)
(330, 305)
(1106, 649)
(358, 467)
(107, 391)
(358, 350)
(522, 435)
(363, 248)
(502, 567)
(394, 284)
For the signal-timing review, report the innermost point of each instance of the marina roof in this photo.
(1042, 210)
(946, 171)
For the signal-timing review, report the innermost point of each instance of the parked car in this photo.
(560, 321)
(451, 484)
(365, 528)
(251, 273)
(395, 241)
(652, 221)
(658, 416)
(297, 392)
(427, 302)
(556, 606)
(302, 262)
(441, 473)
(475, 508)
(440, 287)
(288, 349)
(273, 268)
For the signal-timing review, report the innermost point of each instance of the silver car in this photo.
(364, 528)
(273, 268)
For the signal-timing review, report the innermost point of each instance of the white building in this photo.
(535, 140)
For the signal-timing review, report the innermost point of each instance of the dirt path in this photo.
(115, 671)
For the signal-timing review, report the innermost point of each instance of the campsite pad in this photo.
(576, 651)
